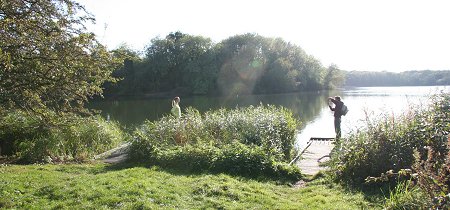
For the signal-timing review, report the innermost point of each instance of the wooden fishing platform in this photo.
(317, 150)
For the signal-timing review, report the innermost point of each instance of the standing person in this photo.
(338, 104)
(176, 110)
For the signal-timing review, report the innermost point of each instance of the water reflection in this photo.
(131, 112)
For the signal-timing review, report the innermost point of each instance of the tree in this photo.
(242, 62)
(280, 77)
(251, 63)
(333, 77)
(47, 59)
(180, 61)
(127, 83)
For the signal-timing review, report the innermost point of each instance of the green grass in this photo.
(102, 186)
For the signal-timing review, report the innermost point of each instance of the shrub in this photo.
(388, 143)
(55, 137)
(250, 141)
(418, 141)
(433, 165)
(382, 146)
(271, 128)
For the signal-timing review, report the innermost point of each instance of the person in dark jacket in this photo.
(337, 114)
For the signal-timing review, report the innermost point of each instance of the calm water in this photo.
(310, 107)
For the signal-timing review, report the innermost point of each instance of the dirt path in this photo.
(316, 153)
(115, 155)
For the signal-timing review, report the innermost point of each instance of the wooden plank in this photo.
(309, 162)
(300, 154)
(321, 139)
(310, 141)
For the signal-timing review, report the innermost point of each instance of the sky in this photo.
(362, 35)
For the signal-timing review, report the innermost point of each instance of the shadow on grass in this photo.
(373, 193)
(82, 167)
(127, 164)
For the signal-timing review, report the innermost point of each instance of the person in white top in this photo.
(176, 110)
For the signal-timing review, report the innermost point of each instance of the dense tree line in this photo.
(407, 78)
(242, 64)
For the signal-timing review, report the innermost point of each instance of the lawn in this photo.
(103, 186)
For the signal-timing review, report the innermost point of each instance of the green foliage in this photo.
(383, 145)
(234, 159)
(47, 59)
(180, 61)
(333, 77)
(241, 64)
(249, 141)
(433, 165)
(32, 138)
(126, 73)
(419, 141)
(389, 143)
(406, 196)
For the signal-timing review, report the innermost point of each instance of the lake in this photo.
(311, 108)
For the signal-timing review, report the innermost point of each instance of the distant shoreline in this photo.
(171, 94)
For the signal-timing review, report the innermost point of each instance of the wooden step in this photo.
(321, 139)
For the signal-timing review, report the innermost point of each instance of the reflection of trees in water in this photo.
(305, 106)
(131, 113)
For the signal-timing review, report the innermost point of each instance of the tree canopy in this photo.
(47, 58)
(241, 64)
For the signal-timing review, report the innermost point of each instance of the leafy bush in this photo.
(271, 128)
(56, 138)
(252, 141)
(419, 140)
(433, 165)
(385, 144)
(235, 158)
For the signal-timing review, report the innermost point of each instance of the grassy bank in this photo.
(230, 159)
(102, 186)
